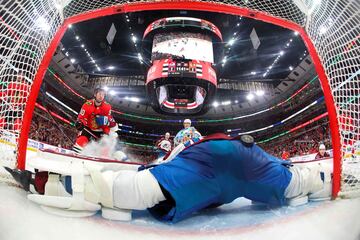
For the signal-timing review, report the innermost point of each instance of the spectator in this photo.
(42, 129)
(322, 152)
(285, 155)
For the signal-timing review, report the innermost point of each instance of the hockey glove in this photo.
(79, 125)
(102, 121)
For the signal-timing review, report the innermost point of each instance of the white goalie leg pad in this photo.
(76, 202)
(116, 214)
(324, 193)
(54, 187)
(306, 180)
(99, 188)
(136, 190)
(92, 183)
(67, 213)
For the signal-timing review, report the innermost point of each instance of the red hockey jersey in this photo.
(89, 112)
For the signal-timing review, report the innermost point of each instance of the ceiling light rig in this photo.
(280, 54)
(134, 39)
(82, 45)
(140, 58)
(250, 96)
(230, 43)
(132, 99)
(215, 104)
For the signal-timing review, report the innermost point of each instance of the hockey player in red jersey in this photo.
(12, 100)
(94, 119)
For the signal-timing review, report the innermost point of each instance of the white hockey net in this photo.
(27, 28)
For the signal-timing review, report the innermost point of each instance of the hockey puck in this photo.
(247, 140)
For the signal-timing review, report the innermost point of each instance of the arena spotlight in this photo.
(260, 93)
(140, 57)
(250, 96)
(232, 41)
(134, 39)
(134, 99)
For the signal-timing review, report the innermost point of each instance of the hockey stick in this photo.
(88, 131)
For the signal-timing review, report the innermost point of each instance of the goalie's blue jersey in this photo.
(216, 172)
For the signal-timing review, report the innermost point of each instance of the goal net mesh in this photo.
(28, 27)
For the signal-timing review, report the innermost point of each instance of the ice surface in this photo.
(22, 219)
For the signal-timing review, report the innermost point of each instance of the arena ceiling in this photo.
(280, 51)
(243, 61)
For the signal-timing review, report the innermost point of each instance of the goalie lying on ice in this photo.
(210, 173)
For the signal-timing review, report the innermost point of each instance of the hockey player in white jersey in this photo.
(164, 145)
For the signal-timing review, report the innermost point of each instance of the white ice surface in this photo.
(339, 220)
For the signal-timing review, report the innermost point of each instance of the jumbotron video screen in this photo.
(182, 45)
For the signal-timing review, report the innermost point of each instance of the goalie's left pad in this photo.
(91, 186)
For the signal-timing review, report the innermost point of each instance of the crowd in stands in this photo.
(301, 143)
(43, 129)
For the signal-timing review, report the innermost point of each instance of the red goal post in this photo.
(31, 32)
